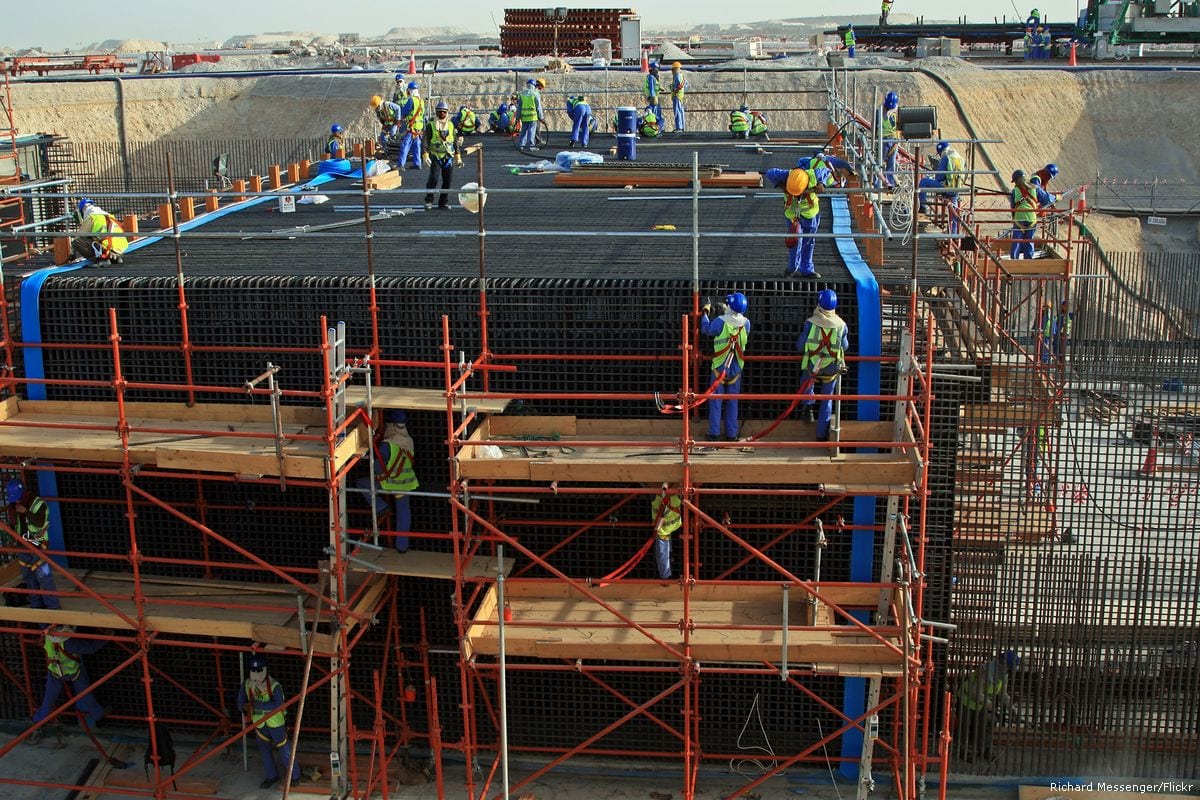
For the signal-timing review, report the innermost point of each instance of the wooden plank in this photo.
(188, 784)
(1034, 266)
(240, 462)
(9, 408)
(201, 412)
(504, 425)
(425, 564)
(411, 399)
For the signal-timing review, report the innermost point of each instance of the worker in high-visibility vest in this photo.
(983, 699)
(823, 343)
(335, 148)
(412, 115)
(582, 121)
(390, 116)
(531, 114)
(949, 175)
(29, 517)
(651, 89)
(802, 211)
(1027, 198)
(730, 331)
(849, 40)
(648, 124)
(758, 125)
(1057, 331)
(739, 122)
(884, 10)
(260, 698)
(885, 123)
(442, 154)
(395, 472)
(63, 666)
(666, 516)
(99, 238)
(678, 87)
(466, 121)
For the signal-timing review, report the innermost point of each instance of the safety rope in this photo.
(803, 390)
(900, 215)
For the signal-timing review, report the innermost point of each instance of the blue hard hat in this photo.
(335, 128)
(1011, 659)
(737, 302)
(1018, 175)
(531, 82)
(395, 416)
(804, 163)
(827, 299)
(257, 662)
(441, 106)
(1052, 169)
(14, 490)
(84, 203)
(743, 107)
(891, 100)
(401, 77)
(942, 147)
(414, 85)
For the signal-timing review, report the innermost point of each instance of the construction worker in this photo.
(651, 89)
(665, 511)
(29, 518)
(389, 116)
(758, 125)
(400, 92)
(260, 697)
(531, 114)
(99, 237)
(501, 120)
(739, 122)
(63, 665)
(823, 342)
(1056, 331)
(580, 113)
(1034, 19)
(1026, 198)
(1046, 174)
(335, 148)
(730, 331)
(395, 472)
(648, 124)
(839, 168)
(949, 175)
(443, 152)
(1029, 46)
(983, 699)
(802, 210)
(412, 116)
(849, 40)
(465, 121)
(885, 123)
(884, 10)
(678, 88)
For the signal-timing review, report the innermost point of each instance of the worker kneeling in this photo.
(100, 237)
(823, 342)
(648, 124)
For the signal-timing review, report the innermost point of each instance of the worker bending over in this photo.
(802, 210)
(99, 238)
(442, 154)
(389, 115)
(648, 124)
(983, 699)
(730, 331)
(823, 342)
(64, 666)
(582, 120)
(465, 121)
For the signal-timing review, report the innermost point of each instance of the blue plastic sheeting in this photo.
(862, 542)
(31, 333)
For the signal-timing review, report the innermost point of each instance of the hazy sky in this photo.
(75, 23)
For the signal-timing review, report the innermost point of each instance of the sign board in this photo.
(1156, 220)
(287, 203)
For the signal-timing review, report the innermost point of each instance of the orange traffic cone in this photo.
(1071, 61)
(1082, 206)
(1150, 465)
(412, 62)
(645, 63)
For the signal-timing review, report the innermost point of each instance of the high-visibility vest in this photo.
(666, 516)
(650, 89)
(649, 125)
(848, 38)
(953, 176)
(465, 121)
(256, 695)
(61, 664)
(398, 473)
(103, 222)
(678, 85)
(981, 686)
(388, 114)
(415, 118)
(731, 341)
(739, 121)
(529, 104)
(758, 124)
(887, 122)
(38, 537)
(1047, 322)
(805, 205)
(1024, 203)
(441, 141)
(823, 347)
(335, 146)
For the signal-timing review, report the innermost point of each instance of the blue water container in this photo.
(627, 133)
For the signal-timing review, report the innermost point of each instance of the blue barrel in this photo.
(626, 119)
(627, 146)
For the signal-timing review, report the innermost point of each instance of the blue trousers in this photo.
(40, 578)
(92, 711)
(850, 51)
(411, 143)
(677, 107)
(528, 135)
(403, 515)
(658, 115)
(272, 742)
(825, 407)
(724, 409)
(888, 158)
(926, 183)
(581, 129)
(800, 254)
(1022, 236)
(662, 556)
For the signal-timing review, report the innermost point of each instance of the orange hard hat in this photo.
(376, 101)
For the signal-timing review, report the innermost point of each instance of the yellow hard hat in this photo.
(541, 84)
(675, 65)
(376, 101)
(797, 181)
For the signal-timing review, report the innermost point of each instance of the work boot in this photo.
(428, 205)
(809, 276)
(571, 143)
(268, 783)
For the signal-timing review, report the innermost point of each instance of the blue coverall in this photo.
(823, 363)
(411, 143)
(531, 112)
(71, 651)
(271, 740)
(678, 89)
(802, 248)
(885, 121)
(581, 122)
(651, 88)
(1023, 229)
(729, 330)
(948, 176)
